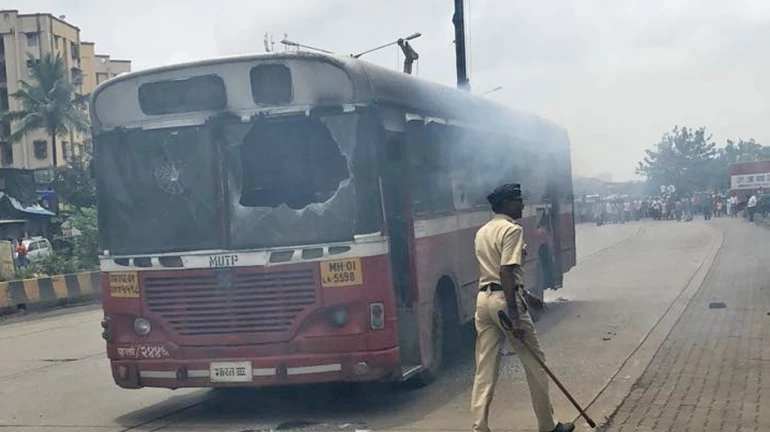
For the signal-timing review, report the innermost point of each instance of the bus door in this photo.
(555, 232)
(394, 186)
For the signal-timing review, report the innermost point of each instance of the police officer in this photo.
(500, 252)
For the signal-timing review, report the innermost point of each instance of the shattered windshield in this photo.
(291, 180)
(271, 182)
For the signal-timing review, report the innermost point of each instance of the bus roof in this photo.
(374, 84)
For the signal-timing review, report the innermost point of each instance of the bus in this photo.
(291, 218)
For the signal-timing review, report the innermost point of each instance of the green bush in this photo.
(82, 256)
(28, 272)
(53, 265)
(86, 250)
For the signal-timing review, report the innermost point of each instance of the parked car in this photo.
(37, 248)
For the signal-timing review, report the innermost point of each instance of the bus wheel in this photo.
(443, 311)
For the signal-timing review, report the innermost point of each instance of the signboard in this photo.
(750, 181)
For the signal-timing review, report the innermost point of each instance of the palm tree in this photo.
(49, 102)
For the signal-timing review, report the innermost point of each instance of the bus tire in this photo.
(443, 334)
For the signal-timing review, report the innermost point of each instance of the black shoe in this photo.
(564, 427)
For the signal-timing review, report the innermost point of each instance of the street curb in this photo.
(42, 293)
(609, 398)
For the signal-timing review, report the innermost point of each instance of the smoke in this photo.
(615, 75)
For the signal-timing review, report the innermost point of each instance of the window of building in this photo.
(32, 62)
(41, 149)
(4, 99)
(101, 77)
(6, 153)
(76, 76)
(75, 51)
(66, 150)
(32, 39)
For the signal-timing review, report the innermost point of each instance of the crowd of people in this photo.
(616, 209)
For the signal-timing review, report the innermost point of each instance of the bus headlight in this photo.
(142, 327)
(339, 316)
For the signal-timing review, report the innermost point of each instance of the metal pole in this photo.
(459, 21)
(410, 37)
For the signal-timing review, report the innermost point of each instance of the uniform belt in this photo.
(492, 287)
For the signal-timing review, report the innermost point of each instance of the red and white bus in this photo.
(292, 218)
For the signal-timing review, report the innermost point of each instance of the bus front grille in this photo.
(227, 302)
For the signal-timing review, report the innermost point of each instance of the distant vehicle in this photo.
(37, 248)
(296, 218)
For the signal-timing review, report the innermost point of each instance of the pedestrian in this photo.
(500, 253)
(734, 206)
(21, 254)
(752, 207)
(688, 208)
(627, 211)
(708, 206)
(678, 209)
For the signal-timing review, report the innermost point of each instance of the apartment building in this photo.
(39, 34)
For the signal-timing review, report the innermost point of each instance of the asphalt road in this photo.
(631, 284)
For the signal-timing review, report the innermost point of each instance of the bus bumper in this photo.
(266, 371)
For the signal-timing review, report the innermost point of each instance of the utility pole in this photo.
(459, 21)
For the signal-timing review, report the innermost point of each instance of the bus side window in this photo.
(431, 182)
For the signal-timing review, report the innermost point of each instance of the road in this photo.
(631, 284)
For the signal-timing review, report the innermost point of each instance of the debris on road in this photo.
(717, 305)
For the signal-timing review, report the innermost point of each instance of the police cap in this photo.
(502, 193)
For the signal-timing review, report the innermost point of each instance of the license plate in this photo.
(124, 284)
(230, 372)
(341, 273)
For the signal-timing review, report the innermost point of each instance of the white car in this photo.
(37, 248)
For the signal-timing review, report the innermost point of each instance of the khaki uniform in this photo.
(498, 243)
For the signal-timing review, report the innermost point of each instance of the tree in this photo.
(49, 102)
(744, 151)
(684, 157)
(86, 250)
(74, 183)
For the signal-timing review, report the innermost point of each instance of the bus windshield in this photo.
(228, 184)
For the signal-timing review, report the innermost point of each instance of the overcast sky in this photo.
(615, 74)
